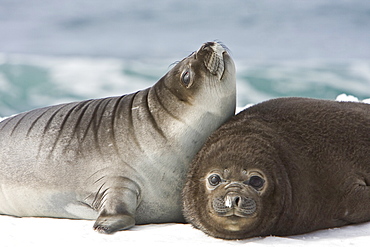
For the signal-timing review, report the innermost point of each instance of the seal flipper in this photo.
(356, 197)
(118, 212)
(116, 201)
(109, 224)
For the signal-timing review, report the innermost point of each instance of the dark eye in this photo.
(185, 78)
(214, 180)
(256, 182)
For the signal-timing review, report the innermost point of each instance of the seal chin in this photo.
(232, 223)
(236, 225)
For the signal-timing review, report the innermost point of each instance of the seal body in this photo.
(283, 167)
(119, 160)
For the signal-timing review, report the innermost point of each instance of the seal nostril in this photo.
(233, 201)
(208, 44)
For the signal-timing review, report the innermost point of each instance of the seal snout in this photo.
(214, 60)
(234, 203)
(208, 44)
(232, 200)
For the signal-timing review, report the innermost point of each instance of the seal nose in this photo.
(208, 44)
(232, 200)
(243, 205)
(215, 47)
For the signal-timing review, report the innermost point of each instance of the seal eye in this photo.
(185, 78)
(256, 182)
(214, 180)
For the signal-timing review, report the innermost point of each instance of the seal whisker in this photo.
(173, 64)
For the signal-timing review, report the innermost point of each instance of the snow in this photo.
(63, 232)
(345, 97)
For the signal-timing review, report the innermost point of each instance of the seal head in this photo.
(242, 190)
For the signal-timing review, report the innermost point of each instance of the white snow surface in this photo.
(63, 232)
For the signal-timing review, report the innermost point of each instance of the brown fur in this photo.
(314, 156)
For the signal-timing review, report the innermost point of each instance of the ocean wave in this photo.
(28, 82)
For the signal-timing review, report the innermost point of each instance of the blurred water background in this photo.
(60, 51)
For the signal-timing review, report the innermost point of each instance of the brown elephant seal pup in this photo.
(120, 160)
(283, 167)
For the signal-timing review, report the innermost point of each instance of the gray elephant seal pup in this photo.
(120, 160)
(283, 167)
